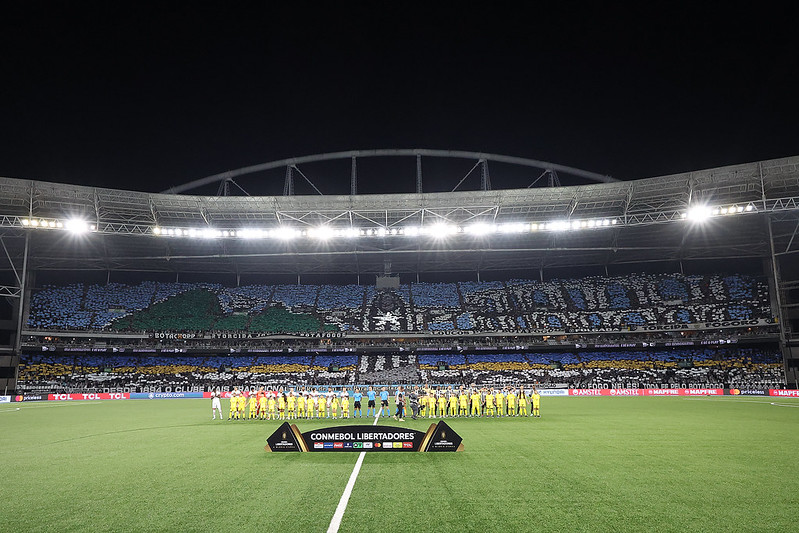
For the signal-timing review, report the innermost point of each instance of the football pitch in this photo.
(589, 464)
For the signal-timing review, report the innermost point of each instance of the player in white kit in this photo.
(216, 405)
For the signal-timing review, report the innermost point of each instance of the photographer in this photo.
(400, 401)
(413, 396)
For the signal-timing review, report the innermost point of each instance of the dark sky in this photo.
(147, 97)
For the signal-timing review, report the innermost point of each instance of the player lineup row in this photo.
(430, 403)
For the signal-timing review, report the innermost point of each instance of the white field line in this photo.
(335, 523)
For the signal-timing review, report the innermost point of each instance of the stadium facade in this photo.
(741, 211)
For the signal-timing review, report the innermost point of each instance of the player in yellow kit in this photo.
(463, 403)
(334, 406)
(345, 406)
(320, 407)
(475, 397)
(281, 405)
(311, 409)
(522, 403)
(301, 406)
(489, 410)
(262, 406)
(536, 401)
(253, 407)
(234, 403)
(291, 406)
(442, 405)
(499, 398)
(511, 399)
(453, 404)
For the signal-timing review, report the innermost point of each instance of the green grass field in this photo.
(590, 464)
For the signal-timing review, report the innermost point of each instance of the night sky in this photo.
(150, 97)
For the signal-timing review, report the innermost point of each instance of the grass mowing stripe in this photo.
(335, 522)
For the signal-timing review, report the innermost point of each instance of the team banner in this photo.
(5, 399)
(365, 438)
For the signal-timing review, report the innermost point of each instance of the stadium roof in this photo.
(616, 222)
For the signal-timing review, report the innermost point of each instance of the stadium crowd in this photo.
(591, 303)
(723, 366)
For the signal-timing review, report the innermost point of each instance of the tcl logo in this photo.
(90, 396)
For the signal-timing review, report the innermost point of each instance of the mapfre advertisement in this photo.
(784, 393)
(646, 392)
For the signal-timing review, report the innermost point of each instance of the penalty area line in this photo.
(335, 523)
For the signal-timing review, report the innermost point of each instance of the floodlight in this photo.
(25, 222)
(515, 227)
(558, 225)
(285, 233)
(75, 225)
(411, 231)
(480, 228)
(322, 233)
(156, 230)
(700, 213)
(441, 229)
(749, 208)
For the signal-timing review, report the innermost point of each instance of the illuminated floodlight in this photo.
(480, 228)
(322, 233)
(76, 226)
(558, 225)
(441, 229)
(381, 231)
(251, 233)
(411, 231)
(43, 223)
(25, 222)
(351, 233)
(285, 233)
(700, 213)
(749, 208)
(156, 230)
(514, 227)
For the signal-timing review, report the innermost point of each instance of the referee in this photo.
(400, 401)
